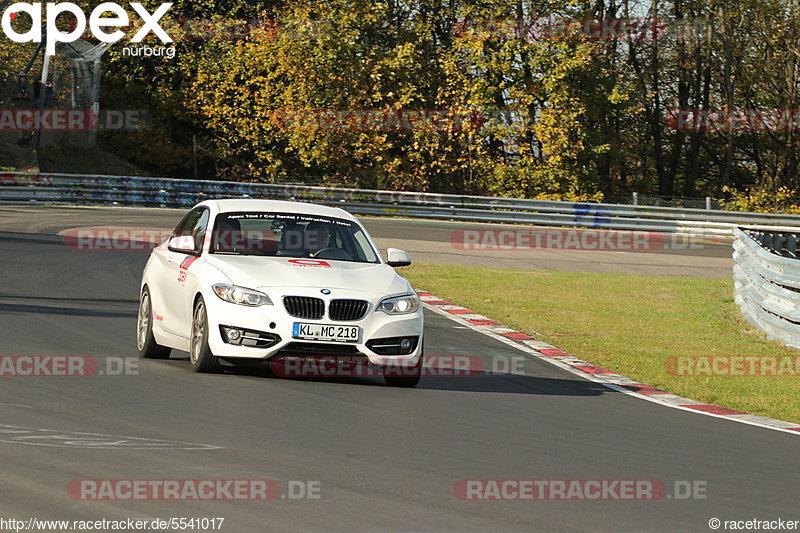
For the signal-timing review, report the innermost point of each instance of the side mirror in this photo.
(397, 258)
(183, 244)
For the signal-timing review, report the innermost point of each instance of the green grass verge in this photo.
(629, 324)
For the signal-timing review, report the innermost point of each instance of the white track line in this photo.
(608, 379)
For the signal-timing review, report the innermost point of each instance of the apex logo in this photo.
(97, 23)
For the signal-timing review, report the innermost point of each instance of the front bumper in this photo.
(275, 320)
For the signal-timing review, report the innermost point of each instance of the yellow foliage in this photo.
(762, 200)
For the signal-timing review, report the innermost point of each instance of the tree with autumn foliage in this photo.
(470, 98)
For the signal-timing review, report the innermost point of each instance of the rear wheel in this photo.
(407, 377)
(145, 341)
(199, 353)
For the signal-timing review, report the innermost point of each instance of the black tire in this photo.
(408, 379)
(145, 341)
(199, 353)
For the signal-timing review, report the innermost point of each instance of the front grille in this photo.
(346, 310)
(304, 307)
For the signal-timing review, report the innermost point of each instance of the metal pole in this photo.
(708, 203)
(194, 156)
(94, 99)
(33, 58)
(635, 199)
(42, 97)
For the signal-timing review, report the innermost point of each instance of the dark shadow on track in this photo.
(482, 383)
(75, 300)
(20, 309)
(35, 238)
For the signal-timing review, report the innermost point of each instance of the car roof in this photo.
(278, 206)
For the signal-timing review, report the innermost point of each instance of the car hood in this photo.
(258, 271)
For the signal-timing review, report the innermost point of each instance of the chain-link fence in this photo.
(68, 80)
(660, 201)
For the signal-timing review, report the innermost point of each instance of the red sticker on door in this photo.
(188, 262)
(184, 269)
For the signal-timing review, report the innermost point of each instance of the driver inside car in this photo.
(321, 243)
(317, 237)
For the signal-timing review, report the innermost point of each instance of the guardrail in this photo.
(767, 281)
(26, 188)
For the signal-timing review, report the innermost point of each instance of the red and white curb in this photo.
(552, 355)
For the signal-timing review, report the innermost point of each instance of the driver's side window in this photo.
(194, 224)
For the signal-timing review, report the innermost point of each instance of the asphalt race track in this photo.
(385, 460)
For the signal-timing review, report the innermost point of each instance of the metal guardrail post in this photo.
(777, 243)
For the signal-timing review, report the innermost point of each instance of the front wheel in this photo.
(199, 353)
(145, 341)
(406, 377)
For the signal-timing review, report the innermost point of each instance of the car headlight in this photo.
(241, 296)
(402, 305)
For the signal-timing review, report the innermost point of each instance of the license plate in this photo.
(326, 332)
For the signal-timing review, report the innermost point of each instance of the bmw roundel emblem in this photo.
(325, 291)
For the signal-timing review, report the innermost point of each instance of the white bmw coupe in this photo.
(260, 279)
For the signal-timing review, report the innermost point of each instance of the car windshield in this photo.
(291, 235)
